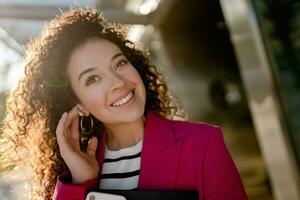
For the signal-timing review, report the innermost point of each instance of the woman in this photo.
(92, 112)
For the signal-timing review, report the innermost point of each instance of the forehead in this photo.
(93, 53)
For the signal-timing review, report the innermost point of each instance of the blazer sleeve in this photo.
(64, 189)
(221, 177)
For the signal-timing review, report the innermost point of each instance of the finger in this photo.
(74, 132)
(92, 146)
(71, 116)
(60, 128)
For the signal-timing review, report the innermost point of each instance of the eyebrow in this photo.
(93, 68)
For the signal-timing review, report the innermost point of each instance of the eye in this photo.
(121, 64)
(92, 79)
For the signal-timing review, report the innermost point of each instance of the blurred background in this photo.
(234, 63)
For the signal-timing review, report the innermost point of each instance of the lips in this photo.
(123, 100)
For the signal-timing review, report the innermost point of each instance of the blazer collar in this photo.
(158, 132)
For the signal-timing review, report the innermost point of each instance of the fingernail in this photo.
(90, 140)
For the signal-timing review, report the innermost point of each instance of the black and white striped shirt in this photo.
(121, 169)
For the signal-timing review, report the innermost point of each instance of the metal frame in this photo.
(46, 12)
(262, 98)
(14, 11)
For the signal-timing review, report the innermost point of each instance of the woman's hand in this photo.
(83, 165)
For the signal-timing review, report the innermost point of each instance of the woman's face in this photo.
(105, 82)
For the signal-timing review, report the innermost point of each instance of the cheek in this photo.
(141, 85)
(94, 98)
(136, 76)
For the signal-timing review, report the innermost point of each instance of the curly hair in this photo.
(35, 106)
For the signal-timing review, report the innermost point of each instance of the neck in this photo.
(124, 135)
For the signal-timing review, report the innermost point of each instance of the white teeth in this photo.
(123, 100)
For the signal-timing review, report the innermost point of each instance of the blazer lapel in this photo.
(100, 151)
(160, 155)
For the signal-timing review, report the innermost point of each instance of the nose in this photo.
(117, 82)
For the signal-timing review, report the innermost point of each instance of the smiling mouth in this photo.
(123, 100)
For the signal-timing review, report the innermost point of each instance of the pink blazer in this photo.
(176, 155)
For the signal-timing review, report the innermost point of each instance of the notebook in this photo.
(142, 195)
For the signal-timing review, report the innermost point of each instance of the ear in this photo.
(82, 110)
